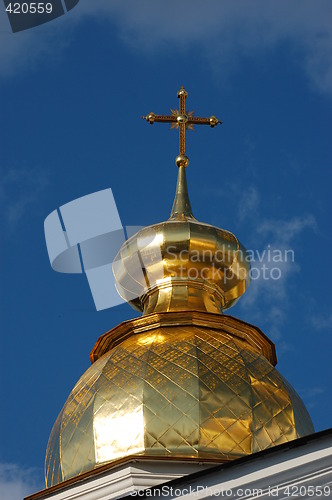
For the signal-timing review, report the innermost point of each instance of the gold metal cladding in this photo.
(182, 392)
(213, 121)
(181, 209)
(182, 119)
(239, 330)
(187, 265)
(150, 118)
(182, 93)
(182, 161)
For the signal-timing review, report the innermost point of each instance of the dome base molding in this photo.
(238, 329)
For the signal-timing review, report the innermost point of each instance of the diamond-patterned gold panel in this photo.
(179, 391)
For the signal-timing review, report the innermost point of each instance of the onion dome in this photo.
(182, 264)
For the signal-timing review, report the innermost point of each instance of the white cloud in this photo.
(17, 482)
(248, 203)
(20, 188)
(274, 264)
(227, 31)
(273, 254)
(224, 32)
(272, 245)
(283, 232)
(278, 238)
(22, 50)
(320, 322)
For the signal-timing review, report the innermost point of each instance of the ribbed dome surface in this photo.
(182, 264)
(185, 391)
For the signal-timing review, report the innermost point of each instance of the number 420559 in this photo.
(29, 8)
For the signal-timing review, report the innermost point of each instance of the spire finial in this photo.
(179, 119)
(182, 120)
(181, 206)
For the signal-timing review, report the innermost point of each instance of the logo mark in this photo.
(24, 15)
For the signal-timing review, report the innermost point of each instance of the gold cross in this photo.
(181, 119)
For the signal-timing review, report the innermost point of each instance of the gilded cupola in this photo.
(183, 381)
(182, 264)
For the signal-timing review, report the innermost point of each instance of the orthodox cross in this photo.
(184, 121)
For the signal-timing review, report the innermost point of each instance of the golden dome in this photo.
(181, 389)
(182, 264)
(183, 381)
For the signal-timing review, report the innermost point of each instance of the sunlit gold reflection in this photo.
(117, 434)
(149, 339)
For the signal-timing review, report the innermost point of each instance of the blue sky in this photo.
(72, 95)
